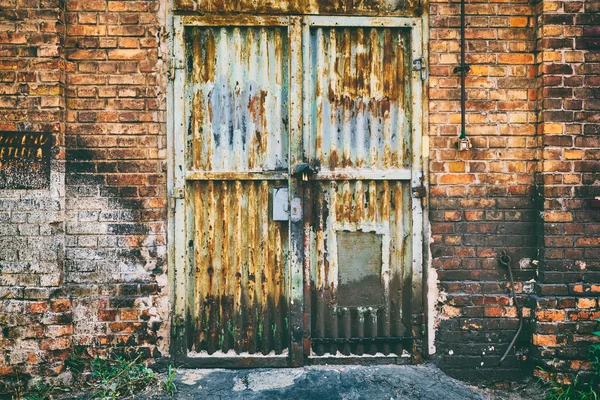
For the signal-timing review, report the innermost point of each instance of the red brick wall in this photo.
(569, 140)
(35, 318)
(115, 179)
(482, 200)
(81, 262)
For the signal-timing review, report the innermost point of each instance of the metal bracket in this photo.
(418, 64)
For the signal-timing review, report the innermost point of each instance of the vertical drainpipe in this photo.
(463, 142)
(463, 134)
(463, 72)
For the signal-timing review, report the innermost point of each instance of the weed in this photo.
(39, 391)
(76, 363)
(168, 383)
(574, 391)
(119, 377)
(577, 390)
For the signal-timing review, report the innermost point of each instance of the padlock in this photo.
(304, 172)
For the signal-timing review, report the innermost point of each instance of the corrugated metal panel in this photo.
(343, 7)
(358, 91)
(239, 89)
(379, 209)
(238, 130)
(238, 296)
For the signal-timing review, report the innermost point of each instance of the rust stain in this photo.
(326, 7)
(358, 89)
(209, 58)
(373, 207)
(238, 90)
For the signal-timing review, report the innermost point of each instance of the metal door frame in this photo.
(177, 176)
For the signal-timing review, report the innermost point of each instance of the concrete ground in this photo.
(387, 382)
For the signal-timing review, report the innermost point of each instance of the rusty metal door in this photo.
(362, 223)
(233, 289)
(315, 115)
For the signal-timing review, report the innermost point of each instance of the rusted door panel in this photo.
(359, 116)
(237, 85)
(359, 137)
(376, 304)
(239, 296)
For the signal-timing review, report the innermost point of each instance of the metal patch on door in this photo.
(281, 204)
(359, 266)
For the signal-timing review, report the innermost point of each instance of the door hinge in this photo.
(178, 193)
(419, 192)
(418, 64)
(174, 64)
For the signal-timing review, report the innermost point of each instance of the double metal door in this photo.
(296, 233)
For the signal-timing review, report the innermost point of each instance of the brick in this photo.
(86, 5)
(126, 54)
(519, 21)
(86, 30)
(547, 340)
(515, 58)
(587, 303)
(550, 315)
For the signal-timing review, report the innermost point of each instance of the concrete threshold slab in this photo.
(388, 382)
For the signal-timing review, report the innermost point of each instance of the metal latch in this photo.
(418, 64)
(304, 172)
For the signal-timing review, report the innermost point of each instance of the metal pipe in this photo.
(505, 260)
(463, 71)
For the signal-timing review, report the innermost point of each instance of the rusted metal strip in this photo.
(179, 209)
(236, 176)
(389, 22)
(418, 179)
(382, 339)
(254, 361)
(237, 20)
(296, 229)
(357, 174)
